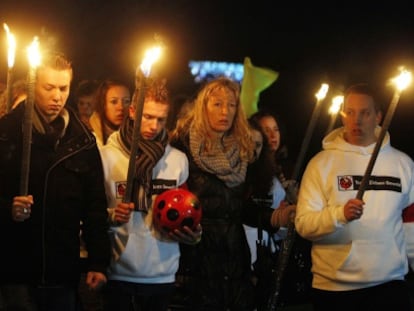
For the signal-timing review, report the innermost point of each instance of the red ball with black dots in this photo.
(176, 208)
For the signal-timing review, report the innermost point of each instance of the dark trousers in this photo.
(392, 295)
(125, 296)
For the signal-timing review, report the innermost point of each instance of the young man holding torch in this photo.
(145, 259)
(40, 228)
(359, 257)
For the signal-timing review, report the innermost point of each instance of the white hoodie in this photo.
(368, 251)
(140, 254)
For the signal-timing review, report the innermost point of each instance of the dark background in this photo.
(308, 44)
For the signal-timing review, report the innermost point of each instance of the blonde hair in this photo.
(195, 120)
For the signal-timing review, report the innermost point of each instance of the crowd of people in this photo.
(77, 240)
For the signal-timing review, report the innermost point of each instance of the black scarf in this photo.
(48, 134)
(149, 153)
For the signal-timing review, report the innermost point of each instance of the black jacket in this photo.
(66, 181)
(219, 266)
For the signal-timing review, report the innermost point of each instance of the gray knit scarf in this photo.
(149, 153)
(223, 160)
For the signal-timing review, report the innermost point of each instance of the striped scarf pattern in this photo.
(149, 153)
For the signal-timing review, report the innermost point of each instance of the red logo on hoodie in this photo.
(345, 182)
(120, 189)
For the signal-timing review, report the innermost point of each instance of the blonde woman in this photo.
(215, 136)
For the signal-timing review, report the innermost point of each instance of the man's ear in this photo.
(379, 117)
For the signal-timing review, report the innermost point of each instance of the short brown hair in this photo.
(156, 90)
(55, 60)
(364, 89)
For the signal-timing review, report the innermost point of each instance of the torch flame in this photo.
(34, 53)
(322, 91)
(402, 80)
(336, 104)
(11, 46)
(151, 56)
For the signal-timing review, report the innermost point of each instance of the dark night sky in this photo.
(306, 45)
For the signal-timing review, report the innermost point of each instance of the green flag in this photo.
(255, 80)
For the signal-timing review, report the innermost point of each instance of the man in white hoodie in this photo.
(359, 250)
(144, 262)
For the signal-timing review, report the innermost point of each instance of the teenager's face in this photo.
(117, 101)
(271, 129)
(52, 91)
(86, 105)
(154, 118)
(360, 119)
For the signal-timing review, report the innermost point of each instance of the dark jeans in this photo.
(29, 298)
(125, 296)
(392, 295)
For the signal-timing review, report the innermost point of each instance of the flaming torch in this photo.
(320, 96)
(11, 51)
(142, 73)
(333, 111)
(34, 61)
(291, 195)
(401, 82)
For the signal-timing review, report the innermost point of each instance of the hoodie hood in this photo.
(335, 141)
